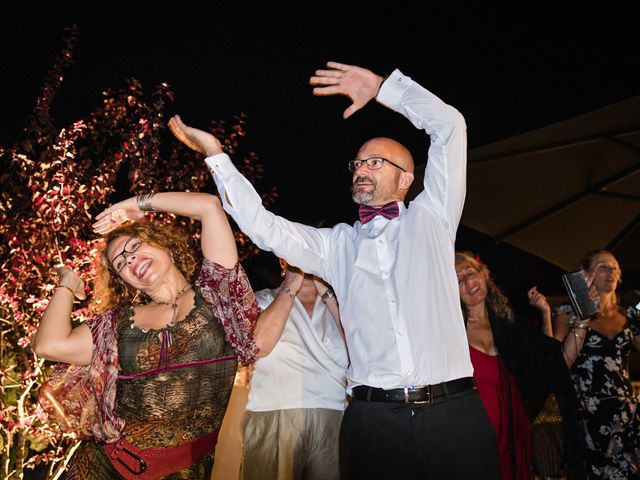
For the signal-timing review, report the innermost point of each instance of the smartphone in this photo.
(578, 291)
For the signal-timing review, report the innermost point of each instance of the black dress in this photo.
(608, 409)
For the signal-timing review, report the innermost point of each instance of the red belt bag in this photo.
(154, 463)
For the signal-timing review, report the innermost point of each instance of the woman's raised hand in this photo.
(116, 215)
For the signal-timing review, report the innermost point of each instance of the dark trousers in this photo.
(449, 439)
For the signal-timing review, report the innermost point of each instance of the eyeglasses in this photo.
(373, 163)
(120, 261)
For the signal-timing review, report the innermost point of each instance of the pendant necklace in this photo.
(173, 305)
(166, 339)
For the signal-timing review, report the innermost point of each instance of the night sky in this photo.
(506, 76)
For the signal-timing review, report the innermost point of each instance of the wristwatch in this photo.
(328, 294)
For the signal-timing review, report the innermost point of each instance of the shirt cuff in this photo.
(220, 165)
(392, 90)
(222, 170)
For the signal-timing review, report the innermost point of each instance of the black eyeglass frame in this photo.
(357, 163)
(136, 247)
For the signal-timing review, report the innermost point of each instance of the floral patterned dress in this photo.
(607, 405)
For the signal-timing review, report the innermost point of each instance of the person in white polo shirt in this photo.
(297, 393)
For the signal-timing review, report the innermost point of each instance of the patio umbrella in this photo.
(562, 190)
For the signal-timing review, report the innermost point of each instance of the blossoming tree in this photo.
(53, 180)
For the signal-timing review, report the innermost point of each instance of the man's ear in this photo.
(406, 179)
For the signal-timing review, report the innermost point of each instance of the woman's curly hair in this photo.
(110, 289)
(496, 300)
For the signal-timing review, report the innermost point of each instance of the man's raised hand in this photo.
(359, 84)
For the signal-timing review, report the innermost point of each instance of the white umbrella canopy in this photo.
(562, 190)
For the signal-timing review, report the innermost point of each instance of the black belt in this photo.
(422, 394)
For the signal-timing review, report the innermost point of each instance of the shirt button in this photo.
(392, 301)
(380, 241)
(401, 333)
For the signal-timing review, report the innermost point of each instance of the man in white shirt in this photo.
(415, 410)
(297, 395)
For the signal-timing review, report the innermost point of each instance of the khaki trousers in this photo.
(292, 444)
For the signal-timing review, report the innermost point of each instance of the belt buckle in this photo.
(426, 401)
(121, 448)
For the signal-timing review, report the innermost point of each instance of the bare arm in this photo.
(572, 337)
(331, 303)
(272, 320)
(217, 241)
(55, 339)
(539, 301)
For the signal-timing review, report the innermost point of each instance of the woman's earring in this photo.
(135, 296)
(282, 273)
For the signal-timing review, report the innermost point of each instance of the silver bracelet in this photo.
(580, 323)
(144, 202)
(328, 294)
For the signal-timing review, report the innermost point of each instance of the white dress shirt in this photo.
(394, 279)
(308, 366)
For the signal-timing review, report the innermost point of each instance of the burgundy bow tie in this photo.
(367, 213)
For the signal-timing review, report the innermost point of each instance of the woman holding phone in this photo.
(597, 351)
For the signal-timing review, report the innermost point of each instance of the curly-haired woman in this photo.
(149, 378)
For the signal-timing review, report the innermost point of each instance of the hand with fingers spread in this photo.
(116, 215)
(194, 138)
(359, 84)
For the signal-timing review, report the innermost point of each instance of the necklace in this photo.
(174, 304)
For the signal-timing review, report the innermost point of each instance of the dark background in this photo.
(507, 75)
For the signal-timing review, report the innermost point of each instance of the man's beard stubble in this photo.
(360, 196)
